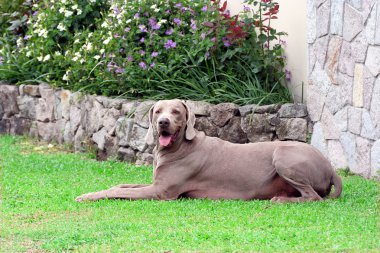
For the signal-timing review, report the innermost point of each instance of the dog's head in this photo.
(171, 121)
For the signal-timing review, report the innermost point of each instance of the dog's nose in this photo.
(164, 122)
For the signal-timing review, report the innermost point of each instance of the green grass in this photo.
(38, 212)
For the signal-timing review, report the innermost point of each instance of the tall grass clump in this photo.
(151, 49)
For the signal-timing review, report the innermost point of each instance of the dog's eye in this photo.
(176, 112)
(157, 112)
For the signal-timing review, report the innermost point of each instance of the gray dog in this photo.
(189, 164)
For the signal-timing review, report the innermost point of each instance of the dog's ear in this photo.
(190, 130)
(149, 138)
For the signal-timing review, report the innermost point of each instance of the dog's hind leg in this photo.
(295, 168)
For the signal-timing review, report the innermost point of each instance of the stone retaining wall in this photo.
(117, 127)
(344, 82)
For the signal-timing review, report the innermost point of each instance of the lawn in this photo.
(39, 214)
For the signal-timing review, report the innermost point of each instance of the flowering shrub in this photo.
(192, 49)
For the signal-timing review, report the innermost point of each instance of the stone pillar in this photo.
(344, 82)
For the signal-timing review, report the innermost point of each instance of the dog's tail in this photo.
(337, 182)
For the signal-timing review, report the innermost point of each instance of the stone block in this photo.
(199, 108)
(336, 154)
(126, 154)
(110, 150)
(346, 63)
(349, 147)
(141, 114)
(220, 114)
(333, 55)
(110, 118)
(377, 31)
(368, 127)
(336, 23)
(370, 28)
(123, 130)
(329, 127)
(292, 129)
(363, 159)
(27, 106)
(353, 23)
(315, 103)
(375, 105)
(80, 140)
(318, 140)
(368, 85)
(205, 125)
(137, 138)
(341, 119)
(232, 132)
(340, 95)
(373, 60)
(4, 126)
(354, 120)
(359, 48)
(323, 19)
(47, 131)
(20, 126)
(100, 138)
(110, 102)
(292, 111)
(357, 92)
(320, 49)
(129, 108)
(320, 80)
(8, 100)
(375, 159)
(257, 127)
(64, 105)
(311, 31)
(95, 117)
(75, 119)
(45, 110)
(30, 90)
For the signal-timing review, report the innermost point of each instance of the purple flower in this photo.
(170, 44)
(179, 5)
(193, 25)
(152, 22)
(116, 36)
(137, 15)
(226, 42)
(204, 8)
(156, 27)
(288, 75)
(129, 58)
(1, 60)
(116, 11)
(35, 13)
(110, 66)
(247, 9)
(142, 28)
(119, 70)
(142, 65)
(213, 39)
(142, 40)
(169, 32)
(154, 54)
(282, 42)
(26, 37)
(152, 65)
(127, 29)
(168, 11)
(177, 21)
(207, 54)
(203, 36)
(142, 52)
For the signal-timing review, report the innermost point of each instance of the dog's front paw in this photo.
(87, 197)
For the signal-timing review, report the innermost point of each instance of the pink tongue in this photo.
(165, 140)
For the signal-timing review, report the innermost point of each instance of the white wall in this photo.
(291, 19)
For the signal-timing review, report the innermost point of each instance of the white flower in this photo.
(81, 60)
(28, 54)
(128, 21)
(57, 53)
(97, 57)
(40, 58)
(61, 10)
(154, 6)
(74, 7)
(46, 58)
(75, 58)
(79, 11)
(43, 33)
(156, 10)
(92, 1)
(102, 51)
(162, 21)
(61, 27)
(88, 46)
(65, 77)
(105, 42)
(90, 35)
(76, 41)
(104, 24)
(68, 13)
